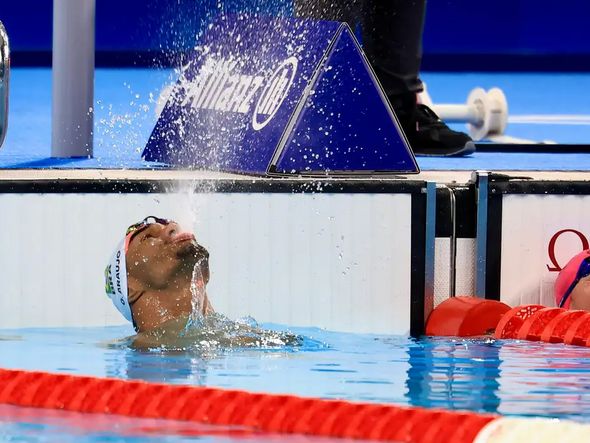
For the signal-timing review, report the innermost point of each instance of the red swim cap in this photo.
(567, 276)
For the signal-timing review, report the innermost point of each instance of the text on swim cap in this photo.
(118, 276)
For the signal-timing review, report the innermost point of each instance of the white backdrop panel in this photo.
(337, 261)
(530, 259)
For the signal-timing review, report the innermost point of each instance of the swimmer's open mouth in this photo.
(182, 237)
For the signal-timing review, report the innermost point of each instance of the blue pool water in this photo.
(481, 375)
(34, 425)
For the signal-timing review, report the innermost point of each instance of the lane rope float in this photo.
(551, 325)
(287, 414)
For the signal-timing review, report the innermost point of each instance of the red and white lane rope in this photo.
(286, 414)
(551, 325)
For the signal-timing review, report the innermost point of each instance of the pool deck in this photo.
(124, 117)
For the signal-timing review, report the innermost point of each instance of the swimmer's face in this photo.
(158, 251)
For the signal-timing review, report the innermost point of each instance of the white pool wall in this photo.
(336, 261)
(529, 255)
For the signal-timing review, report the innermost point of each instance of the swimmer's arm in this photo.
(171, 335)
(250, 335)
(165, 336)
(144, 342)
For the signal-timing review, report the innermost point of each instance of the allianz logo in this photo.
(219, 87)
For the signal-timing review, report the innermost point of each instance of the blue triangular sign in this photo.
(346, 124)
(279, 96)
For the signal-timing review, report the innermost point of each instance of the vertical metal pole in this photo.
(453, 248)
(4, 81)
(481, 245)
(73, 78)
(453, 239)
(430, 239)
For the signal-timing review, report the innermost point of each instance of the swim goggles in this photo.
(583, 271)
(136, 228)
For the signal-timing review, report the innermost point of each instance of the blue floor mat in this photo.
(125, 101)
(124, 118)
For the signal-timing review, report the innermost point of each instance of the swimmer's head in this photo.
(155, 257)
(567, 285)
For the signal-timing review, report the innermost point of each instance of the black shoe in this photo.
(429, 136)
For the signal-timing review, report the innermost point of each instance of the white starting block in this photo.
(486, 113)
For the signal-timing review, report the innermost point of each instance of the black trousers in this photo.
(391, 33)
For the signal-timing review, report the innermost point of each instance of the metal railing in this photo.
(4, 81)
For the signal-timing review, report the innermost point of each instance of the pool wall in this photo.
(535, 228)
(306, 254)
(357, 255)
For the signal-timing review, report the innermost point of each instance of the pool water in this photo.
(35, 425)
(482, 375)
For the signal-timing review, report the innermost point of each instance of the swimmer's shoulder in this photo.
(163, 336)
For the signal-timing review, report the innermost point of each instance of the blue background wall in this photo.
(459, 34)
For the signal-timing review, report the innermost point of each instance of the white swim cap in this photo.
(115, 274)
(116, 281)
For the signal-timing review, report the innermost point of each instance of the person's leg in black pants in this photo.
(392, 41)
(336, 10)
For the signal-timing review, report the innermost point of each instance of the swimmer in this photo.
(157, 278)
(572, 287)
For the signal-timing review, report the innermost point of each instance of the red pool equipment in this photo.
(533, 326)
(578, 332)
(551, 325)
(250, 414)
(510, 324)
(465, 316)
(555, 330)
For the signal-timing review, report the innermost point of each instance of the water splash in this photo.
(198, 298)
(215, 333)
